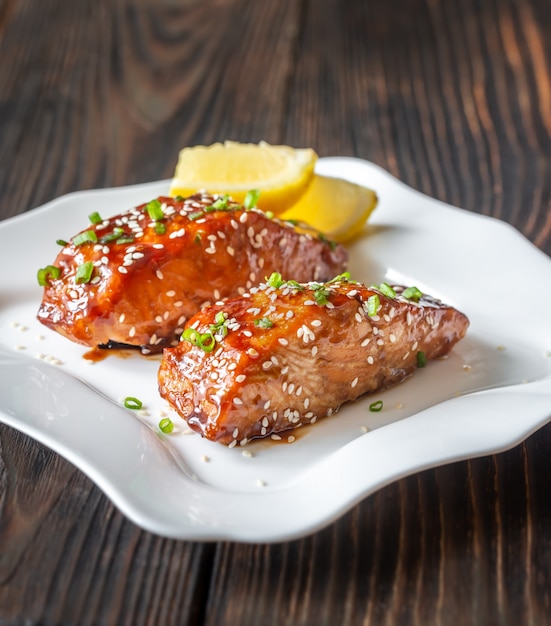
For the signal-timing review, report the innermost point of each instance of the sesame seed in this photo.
(235, 433)
(122, 269)
(370, 360)
(171, 293)
(354, 382)
(314, 350)
(315, 323)
(291, 439)
(247, 454)
(230, 251)
(267, 404)
(283, 341)
(252, 352)
(237, 401)
(275, 437)
(233, 444)
(159, 274)
(205, 458)
(243, 218)
(267, 365)
(132, 332)
(240, 378)
(392, 338)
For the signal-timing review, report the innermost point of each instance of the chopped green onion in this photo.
(133, 403)
(251, 199)
(198, 237)
(88, 236)
(294, 285)
(95, 218)
(115, 234)
(412, 293)
(194, 216)
(386, 290)
(331, 244)
(221, 203)
(166, 425)
(154, 210)
(293, 222)
(421, 359)
(62, 242)
(373, 304)
(160, 228)
(375, 407)
(125, 239)
(275, 280)
(205, 341)
(45, 273)
(265, 322)
(219, 327)
(344, 277)
(84, 272)
(321, 295)
(269, 215)
(179, 198)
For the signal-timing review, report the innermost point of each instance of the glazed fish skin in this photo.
(258, 381)
(142, 290)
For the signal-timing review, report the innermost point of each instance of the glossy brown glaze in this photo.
(324, 346)
(145, 285)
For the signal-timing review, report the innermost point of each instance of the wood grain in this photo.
(454, 98)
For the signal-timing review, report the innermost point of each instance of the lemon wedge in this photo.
(334, 206)
(280, 173)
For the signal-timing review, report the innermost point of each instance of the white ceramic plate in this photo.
(492, 391)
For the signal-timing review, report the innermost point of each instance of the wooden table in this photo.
(453, 98)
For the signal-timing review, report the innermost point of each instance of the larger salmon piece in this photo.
(134, 279)
(286, 354)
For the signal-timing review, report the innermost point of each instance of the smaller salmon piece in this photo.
(286, 354)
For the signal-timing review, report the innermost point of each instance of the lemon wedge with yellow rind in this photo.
(336, 207)
(280, 173)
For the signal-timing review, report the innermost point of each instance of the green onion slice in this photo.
(275, 280)
(62, 242)
(88, 236)
(115, 234)
(331, 244)
(264, 322)
(251, 199)
(84, 272)
(125, 239)
(321, 295)
(412, 293)
(45, 273)
(166, 425)
(421, 359)
(160, 228)
(377, 406)
(204, 341)
(95, 218)
(220, 203)
(154, 210)
(195, 216)
(373, 304)
(133, 403)
(342, 278)
(386, 290)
